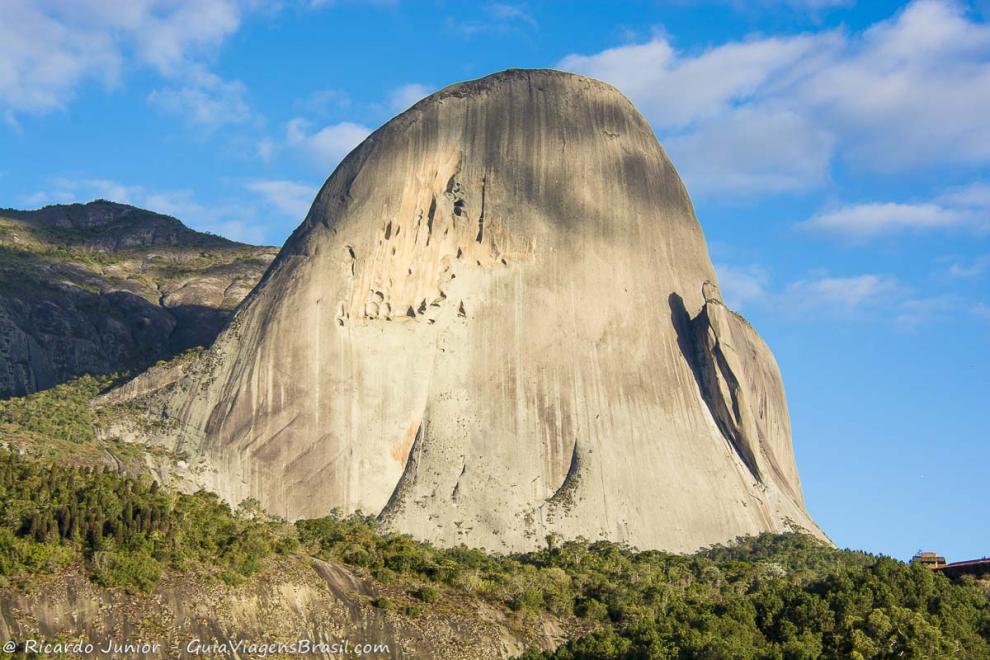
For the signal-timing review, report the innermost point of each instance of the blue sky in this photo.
(838, 154)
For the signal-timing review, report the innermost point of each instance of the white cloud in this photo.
(847, 293)
(743, 285)
(205, 99)
(289, 197)
(501, 18)
(909, 92)
(810, 6)
(266, 149)
(818, 4)
(749, 152)
(42, 60)
(865, 297)
(316, 4)
(327, 146)
(405, 96)
(913, 312)
(36, 199)
(878, 297)
(673, 90)
(968, 206)
(323, 101)
(869, 297)
(177, 29)
(179, 204)
(504, 11)
(229, 218)
(973, 268)
(864, 221)
(973, 196)
(48, 48)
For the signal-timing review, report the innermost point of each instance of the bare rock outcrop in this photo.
(491, 327)
(294, 607)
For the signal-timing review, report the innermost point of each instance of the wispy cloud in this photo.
(675, 90)
(967, 207)
(839, 298)
(47, 49)
(915, 311)
(970, 268)
(204, 99)
(742, 285)
(322, 102)
(327, 146)
(869, 296)
(847, 293)
(316, 4)
(797, 5)
(907, 93)
(503, 11)
(863, 221)
(405, 96)
(501, 18)
(974, 196)
(289, 197)
(751, 152)
(266, 149)
(44, 59)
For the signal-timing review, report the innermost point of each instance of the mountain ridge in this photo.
(103, 287)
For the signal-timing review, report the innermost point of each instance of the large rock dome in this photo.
(498, 321)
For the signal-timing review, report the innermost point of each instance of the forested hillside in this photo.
(768, 596)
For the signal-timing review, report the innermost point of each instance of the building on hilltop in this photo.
(930, 559)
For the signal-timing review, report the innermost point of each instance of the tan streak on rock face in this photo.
(503, 287)
(400, 450)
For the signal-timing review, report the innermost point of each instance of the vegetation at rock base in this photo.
(882, 609)
(59, 413)
(768, 596)
(771, 596)
(125, 530)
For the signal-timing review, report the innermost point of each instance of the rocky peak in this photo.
(487, 330)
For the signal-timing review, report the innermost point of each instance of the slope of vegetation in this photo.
(125, 530)
(61, 413)
(772, 596)
(56, 426)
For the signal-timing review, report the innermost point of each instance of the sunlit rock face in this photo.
(498, 321)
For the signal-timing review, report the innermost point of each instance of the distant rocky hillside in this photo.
(102, 287)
